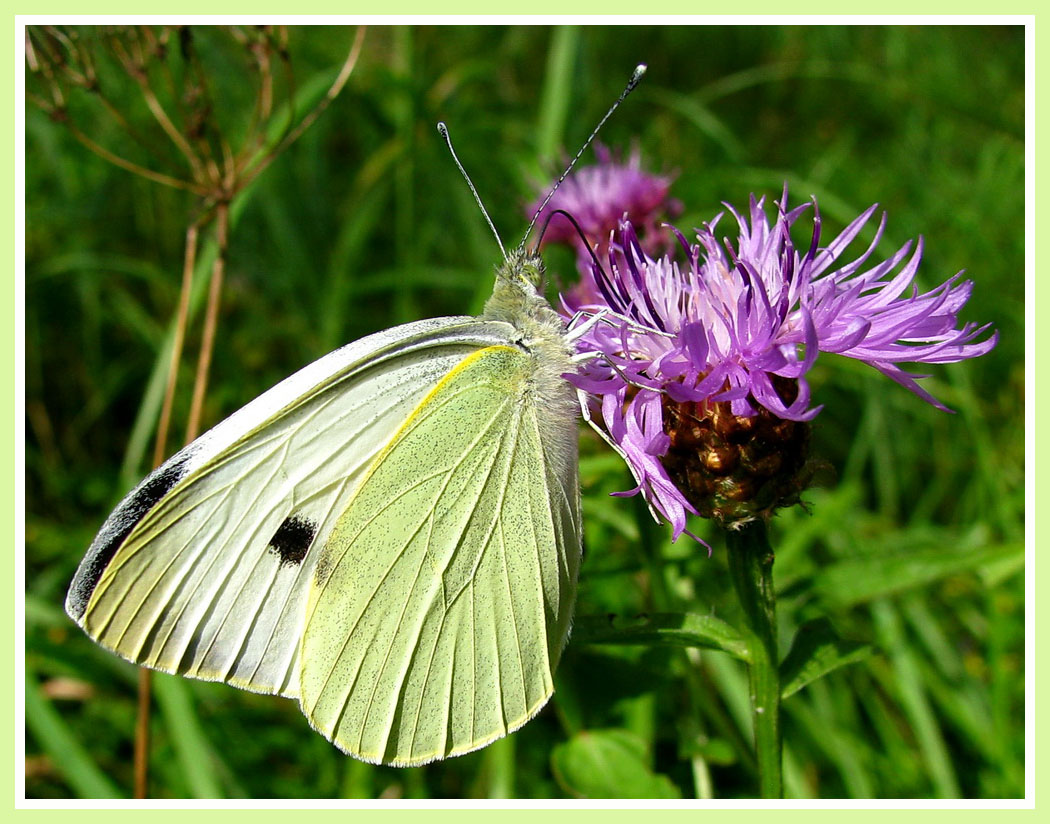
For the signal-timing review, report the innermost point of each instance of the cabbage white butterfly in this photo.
(391, 535)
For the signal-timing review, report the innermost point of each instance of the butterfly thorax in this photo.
(518, 299)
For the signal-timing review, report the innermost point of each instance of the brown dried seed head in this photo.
(736, 468)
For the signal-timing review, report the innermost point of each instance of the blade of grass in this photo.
(58, 741)
(912, 693)
(830, 736)
(403, 115)
(556, 96)
(677, 629)
(371, 201)
(894, 756)
(358, 780)
(817, 650)
(150, 407)
(731, 84)
(703, 119)
(496, 778)
(856, 580)
(196, 755)
(1006, 691)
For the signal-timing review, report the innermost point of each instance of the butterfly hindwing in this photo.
(205, 568)
(443, 595)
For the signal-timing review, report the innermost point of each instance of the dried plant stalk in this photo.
(63, 60)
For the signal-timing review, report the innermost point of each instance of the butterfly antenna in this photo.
(443, 129)
(636, 77)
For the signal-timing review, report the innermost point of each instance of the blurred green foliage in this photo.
(914, 546)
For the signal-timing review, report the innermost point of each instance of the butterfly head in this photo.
(523, 269)
(518, 295)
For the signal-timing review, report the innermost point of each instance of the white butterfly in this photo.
(391, 535)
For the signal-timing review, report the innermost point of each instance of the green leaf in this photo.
(816, 651)
(682, 629)
(609, 763)
(858, 580)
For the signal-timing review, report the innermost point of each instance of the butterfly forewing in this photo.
(443, 595)
(205, 568)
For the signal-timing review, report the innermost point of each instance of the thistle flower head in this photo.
(698, 367)
(599, 196)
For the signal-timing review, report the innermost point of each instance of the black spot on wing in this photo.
(118, 526)
(292, 539)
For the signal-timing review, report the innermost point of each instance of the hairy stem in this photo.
(751, 568)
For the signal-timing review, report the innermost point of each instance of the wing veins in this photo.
(495, 520)
(563, 558)
(496, 532)
(109, 576)
(426, 682)
(111, 579)
(514, 618)
(448, 472)
(128, 553)
(191, 595)
(386, 657)
(222, 584)
(250, 625)
(505, 471)
(342, 483)
(349, 635)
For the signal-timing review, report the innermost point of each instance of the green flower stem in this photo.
(751, 567)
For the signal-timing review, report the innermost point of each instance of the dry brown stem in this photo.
(63, 60)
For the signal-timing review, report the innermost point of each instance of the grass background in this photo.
(915, 547)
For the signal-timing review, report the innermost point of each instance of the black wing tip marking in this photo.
(118, 526)
(292, 539)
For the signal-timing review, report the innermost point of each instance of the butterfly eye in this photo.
(533, 271)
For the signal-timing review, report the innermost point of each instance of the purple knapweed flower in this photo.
(698, 368)
(598, 197)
